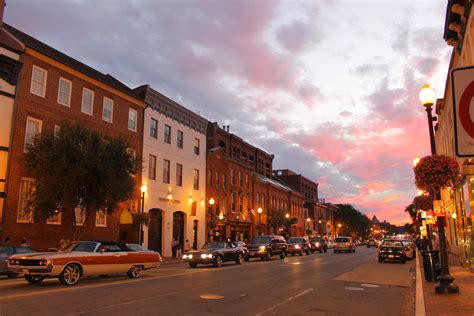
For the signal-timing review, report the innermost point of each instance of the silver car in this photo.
(344, 244)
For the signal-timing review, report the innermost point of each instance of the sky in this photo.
(329, 87)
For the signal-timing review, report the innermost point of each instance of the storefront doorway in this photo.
(155, 230)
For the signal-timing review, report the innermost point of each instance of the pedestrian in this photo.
(179, 250)
(187, 246)
(174, 248)
(24, 242)
(63, 242)
(7, 242)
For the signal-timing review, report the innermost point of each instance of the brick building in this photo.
(54, 87)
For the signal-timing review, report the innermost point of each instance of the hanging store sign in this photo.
(438, 207)
(462, 85)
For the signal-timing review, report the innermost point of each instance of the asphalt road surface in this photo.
(318, 284)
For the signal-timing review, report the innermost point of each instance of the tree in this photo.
(411, 210)
(77, 166)
(276, 219)
(352, 221)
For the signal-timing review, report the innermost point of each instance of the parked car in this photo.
(6, 253)
(392, 250)
(372, 243)
(318, 244)
(343, 244)
(83, 258)
(409, 247)
(214, 253)
(265, 247)
(299, 245)
(243, 246)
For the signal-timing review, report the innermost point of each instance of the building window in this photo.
(241, 203)
(258, 199)
(108, 110)
(152, 167)
(80, 215)
(101, 218)
(196, 179)
(38, 81)
(87, 105)
(217, 180)
(179, 139)
(232, 177)
(196, 146)
(54, 219)
(247, 183)
(64, 92)
(240, 179)
(179, 174)
(209, 176)
(167, 138)
(25, 212)
(132, 120)
(224, 181)
(154, 128)
(232, 202)
(166, 171)
(33, 128)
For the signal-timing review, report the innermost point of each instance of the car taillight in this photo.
(348, 244)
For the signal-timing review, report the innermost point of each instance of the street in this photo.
(319, 284)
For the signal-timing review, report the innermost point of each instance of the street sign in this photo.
(462, 86)
(438, 207)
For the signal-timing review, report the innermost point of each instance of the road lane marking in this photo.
(352, 288)
(369, 285)
(211, 297)
(284, 302)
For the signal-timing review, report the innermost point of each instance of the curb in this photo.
(419, 296)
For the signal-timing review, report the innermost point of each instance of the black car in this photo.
(299, 245)
(318, 244)
(214, 253)
(5, 253)
(265, 247)
(392, 250)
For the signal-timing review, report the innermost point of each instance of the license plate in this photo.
(252, 253)
(24, 271)
(391, 256)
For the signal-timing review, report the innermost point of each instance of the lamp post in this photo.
(259, 211)
(211, 203)
(143, 189)
(338, 228)
(320, 230)
(445, 280)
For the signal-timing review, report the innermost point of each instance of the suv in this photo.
(265, 247)
(344, 244)
(318, 244)
(299, 245)
(371, 242)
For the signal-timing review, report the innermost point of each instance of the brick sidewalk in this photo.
(460, 304)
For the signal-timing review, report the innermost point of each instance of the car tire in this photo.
(70, 275)
(308, 252)
(335, 251)
(380, 260)
(292, 253)
(192, 265)
(354, 250)
(282, 255)
(12, 275)
(135, 271)
(268, 256)
(240, 259)
(218, 261)
(34, 279)
(301, 252)
(403, 261)
(247, 259)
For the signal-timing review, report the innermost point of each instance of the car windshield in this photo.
(392, 243)
(342, 239)
(261, 240)
(316, 239)
(85, 246)
(214, 245)
(295, 240)
(6, 251)
(23, 250)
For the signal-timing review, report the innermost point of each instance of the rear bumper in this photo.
(392, 256)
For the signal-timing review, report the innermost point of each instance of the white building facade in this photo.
(174, 166)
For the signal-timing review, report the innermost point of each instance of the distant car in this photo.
(372, 243)
(214, 253)
(392, 250)
(409, 247)
(265, 247)
(83, 258)
(318, 244)
(5, 253)
(299, 245)
(344, 244)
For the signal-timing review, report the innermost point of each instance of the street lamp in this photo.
(143, 189)
(287, 215)
(445, 280)
(259, 211)
(211, 223)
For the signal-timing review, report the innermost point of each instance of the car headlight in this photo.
(262, 248)
(317, 244)
(297, 247)
(187, 256)
(204, 256)
(209, 255)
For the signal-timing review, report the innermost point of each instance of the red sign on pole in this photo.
(462, 85)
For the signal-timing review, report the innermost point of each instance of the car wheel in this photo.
(70, 275)
(12, 275)
(218, 262)
(380, 260)
(240, 259)
(335, 251)
(135, 271)
(308, 252)
(354, 250)
(320, 251)
(268, 256)
(192, 264)
(292, 253)
(34, 279)
(247, 259)
(282, 255)
(404, 261)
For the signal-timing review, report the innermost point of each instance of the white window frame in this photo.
(36, 68)
(110, 120)
(81, 215)
(22, 201)
(28, 136)
(68, 104)
(92, 101)
(98, 223)
(130, 111)
(55, 219)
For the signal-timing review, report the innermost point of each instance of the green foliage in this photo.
(309, 232)
(353, 222)
(79, 166)
(276, 219)
(412, 211)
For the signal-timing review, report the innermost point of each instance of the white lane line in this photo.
(284, 302)
(369, 285)
(352, 288)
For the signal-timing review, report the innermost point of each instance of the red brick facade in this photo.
(51, 113)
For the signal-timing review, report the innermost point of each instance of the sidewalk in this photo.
(460, 304)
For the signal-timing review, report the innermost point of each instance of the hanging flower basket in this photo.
(423, 202)
(141, 218)
(435, 172)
